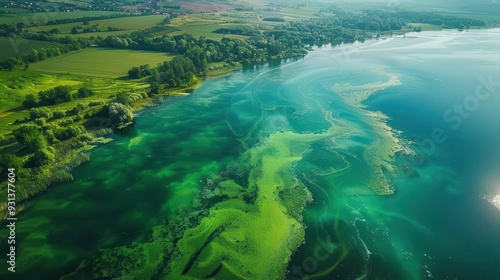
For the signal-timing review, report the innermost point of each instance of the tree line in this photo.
(16, 29)
(284, 41)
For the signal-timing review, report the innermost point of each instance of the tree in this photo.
(84, 92)
(29, 101)
(123, 98)
(56, 95)
(65, 133)
(58, 114)
(74, 30)
(42, 54)
(78, 108)
(36, 113)
(33, 56)
(63, 94)
(154, 87)
(120, 114)
(41, 157)
(10, 63)
(9, 161)
(134, 73)
(30, 136)
(55, 31)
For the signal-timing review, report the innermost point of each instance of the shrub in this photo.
(77, 118)
(123, 98)
(50, 136)
(120, 114)
(40, 121)
(78, 108)
(36, 113)
(40, 158)
(9, 161)
(65, 133)
(85, 92)
(58, 114)
(56, 95)
(96, 103)
(29, 101)
(30, 137)
(85, 137)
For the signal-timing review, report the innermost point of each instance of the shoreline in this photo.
(63, 171)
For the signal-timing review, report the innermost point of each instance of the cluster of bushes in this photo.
(94, 28)
(239, 30)
(274, 19)
(139, 72)
(84, 92)
(53, 96)
(32, 139)
(36, 113)
(37, 139)
(179, 72)
(120, 114)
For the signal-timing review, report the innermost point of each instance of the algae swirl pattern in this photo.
(300, 120)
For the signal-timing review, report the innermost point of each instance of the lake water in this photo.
(394, 144)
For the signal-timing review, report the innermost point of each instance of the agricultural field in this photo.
(4, 10)
(17, 47)
(204, 24)
(197, 20)
(292, 14)
(206, 31)
(28, 17)
(102, 34)
(99, 62)
(129, 24)
(78, 3)
(423, 26)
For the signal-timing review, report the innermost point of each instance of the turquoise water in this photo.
(213, 184)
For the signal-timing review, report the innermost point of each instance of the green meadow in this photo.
(28, 17)
(12, 10)
(206, 31)
(17, 47)
(14, 86)
(129, 24)
(99, 62)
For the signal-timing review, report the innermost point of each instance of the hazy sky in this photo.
(485, 6)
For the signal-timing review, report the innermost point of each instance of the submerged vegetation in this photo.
(53, 113)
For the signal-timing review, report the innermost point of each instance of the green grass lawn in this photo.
(16, 47)
(99, 62)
